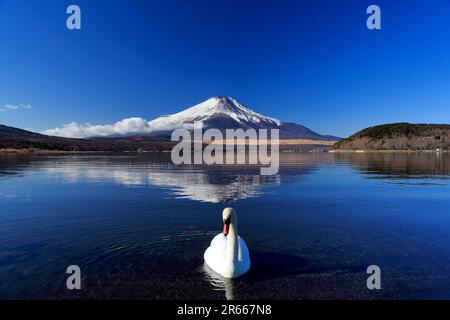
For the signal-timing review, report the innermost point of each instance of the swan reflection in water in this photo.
(219, 283)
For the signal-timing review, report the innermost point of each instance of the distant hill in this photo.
(11, 132)
(13, 138)
(399, 136)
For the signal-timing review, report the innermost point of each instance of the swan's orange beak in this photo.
(226, 228)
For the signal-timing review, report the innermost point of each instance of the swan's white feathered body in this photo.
(228, 254)
(215, 257)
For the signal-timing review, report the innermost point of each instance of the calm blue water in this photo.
(138, 226)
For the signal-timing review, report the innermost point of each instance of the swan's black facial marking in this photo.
(227, 221)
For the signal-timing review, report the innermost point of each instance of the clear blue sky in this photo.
(313, 62)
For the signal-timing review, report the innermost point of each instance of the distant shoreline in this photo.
(286, 145)
(388, 151)
(44, 151)
(282, 142)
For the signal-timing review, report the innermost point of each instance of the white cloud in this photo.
(126, 126)
(129, 126)
(8, 107)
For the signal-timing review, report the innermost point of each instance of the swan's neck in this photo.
(232, 245)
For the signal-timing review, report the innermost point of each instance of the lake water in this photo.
(138, 226)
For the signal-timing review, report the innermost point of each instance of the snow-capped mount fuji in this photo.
(215, 108)
(228, 113)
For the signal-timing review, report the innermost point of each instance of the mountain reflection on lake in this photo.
(138, 226)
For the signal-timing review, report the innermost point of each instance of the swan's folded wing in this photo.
(214, 255)
(243, 254)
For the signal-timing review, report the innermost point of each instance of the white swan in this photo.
(228, 254)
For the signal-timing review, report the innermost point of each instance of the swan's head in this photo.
(228, 216)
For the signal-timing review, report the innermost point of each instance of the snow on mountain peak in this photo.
(213, 107)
